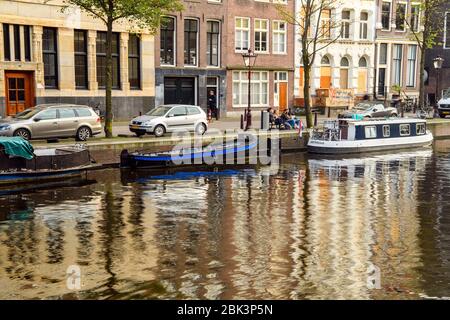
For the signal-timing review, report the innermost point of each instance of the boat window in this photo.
(405, 130)
(193, 110)
(371, 132)
(420, 129)
(386, 131)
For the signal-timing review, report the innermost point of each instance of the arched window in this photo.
(325, 61)
(362, 62)
(343, 81)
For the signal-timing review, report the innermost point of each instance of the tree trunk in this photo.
(421, 78)
(307, 95)
(108, 97)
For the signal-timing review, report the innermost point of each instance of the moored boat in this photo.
(20, 163)
(356, 136)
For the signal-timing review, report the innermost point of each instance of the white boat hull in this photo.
(369, 145)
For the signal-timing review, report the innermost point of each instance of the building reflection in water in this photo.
(310, 231)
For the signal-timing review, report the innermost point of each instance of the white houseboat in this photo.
(356, 136)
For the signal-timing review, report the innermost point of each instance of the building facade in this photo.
(257, 25)
(49, 56)
(346, 63)
(442, 49)
(397, 53)
(189, 59)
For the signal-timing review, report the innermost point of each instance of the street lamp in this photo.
(437, 63)
(249, 62)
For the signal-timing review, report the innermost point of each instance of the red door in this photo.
(19, 91)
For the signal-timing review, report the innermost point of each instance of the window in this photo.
(260, 89)
(49, 53)
(213, 43)
(177, 112)
(411, 67)
(447, 30)
(421, 129)
(134, 62)
(345, 24)
(383, 53)
(397, 69)
(362, 62)
(83, 112)
(101, 60)
(325, 24)
(415, 14)
(66, 113)
(371, 132)
(190, 42)
(386, 131)
(80, 48)
(405, 130)
(242, 31)
(325, 61)
(16, 42)
(192, 111)
(27, 42)
(400, 15)
(167, 41)
(343, 80)
(279, 36)
(386, 15)
(363, 29)
(49, 114)
(6, 42)
(261, 32)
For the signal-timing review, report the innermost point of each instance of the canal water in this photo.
(370, 227)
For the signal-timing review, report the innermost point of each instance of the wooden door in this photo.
(282, 96)
(19, 91)
(325, 77)
(343, 81)
(362, 81)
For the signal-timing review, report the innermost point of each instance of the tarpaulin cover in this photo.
(17, 147)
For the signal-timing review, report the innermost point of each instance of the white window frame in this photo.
(277, 32)
(396, 45)
(416, 4)
(409, 130)
(390, 15)
(386, 133)
(197, 43)
(364, 23)
(243, 79)
(175, 25)
(219, 44)
(405, 24)
(421, 125)
(446, 27)
(372, 129)
(267, 31)
(408, 69)
(242, 32)
(346, 22)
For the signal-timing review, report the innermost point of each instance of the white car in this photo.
(169, 118)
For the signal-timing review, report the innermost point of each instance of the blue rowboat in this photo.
(236, 149)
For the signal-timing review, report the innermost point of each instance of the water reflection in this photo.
(311, 231)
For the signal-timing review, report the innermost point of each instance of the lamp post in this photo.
(249, 62)
(437, 63)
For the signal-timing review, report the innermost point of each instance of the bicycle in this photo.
(425, 112)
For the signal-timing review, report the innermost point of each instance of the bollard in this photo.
(315, 119)
(242, 122)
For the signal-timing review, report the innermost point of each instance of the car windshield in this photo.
(363, 106)
(27, 114)
(159, 112)
(446, 94)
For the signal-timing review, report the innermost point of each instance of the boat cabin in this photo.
(354, 130)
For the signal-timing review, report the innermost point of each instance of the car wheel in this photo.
(159, 131)
(200, 129)
(24, 133)
(83, 134)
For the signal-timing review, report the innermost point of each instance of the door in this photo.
(67, 122)
(325, 77)
(343, 81)
(362, 81)
(212, 85)
(45, 124)
(177, 119)
(19, 91)
(179, 91)
(381, 81)
(282, 98)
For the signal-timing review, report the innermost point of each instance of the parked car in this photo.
(168, 118)
(53, 121)
(369, 110)
(444, 104)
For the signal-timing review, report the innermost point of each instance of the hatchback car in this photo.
(169, 118)
(53, 121)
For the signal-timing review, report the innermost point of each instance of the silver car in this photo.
(53, 121)
(169, 118)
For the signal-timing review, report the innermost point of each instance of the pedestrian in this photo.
(212, 105)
